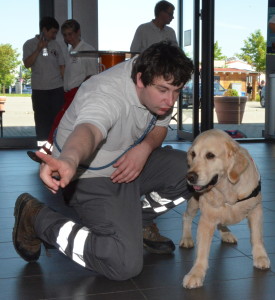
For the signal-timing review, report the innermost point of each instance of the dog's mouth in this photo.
(202, 188)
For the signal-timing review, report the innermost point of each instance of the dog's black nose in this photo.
(192, 177)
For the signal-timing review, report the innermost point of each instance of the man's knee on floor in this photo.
(116, 260)
(124, 271)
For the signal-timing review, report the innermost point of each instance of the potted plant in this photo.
(230, 107)
(2, 102)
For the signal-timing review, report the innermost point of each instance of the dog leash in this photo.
(138, 141)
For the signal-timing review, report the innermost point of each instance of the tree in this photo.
(26, 75)
(8, 65)
(218, 52)
(254, 51)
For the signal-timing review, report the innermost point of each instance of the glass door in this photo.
(240, 65)
(188, 103)
(16, 113)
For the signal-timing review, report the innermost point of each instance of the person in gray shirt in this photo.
(156, 30)
(45, 58)
(107, 154)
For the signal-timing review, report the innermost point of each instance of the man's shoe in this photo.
(46, 148)
(25, 241)
(34, 157)
(156, 243)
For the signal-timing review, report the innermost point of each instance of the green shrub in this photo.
(231, 93)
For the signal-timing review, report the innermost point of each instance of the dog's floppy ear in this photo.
(238, 162)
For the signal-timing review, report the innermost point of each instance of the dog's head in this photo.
(213, 156)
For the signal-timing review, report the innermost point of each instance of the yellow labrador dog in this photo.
(227, 186)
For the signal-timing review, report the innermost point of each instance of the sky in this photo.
(235, 20)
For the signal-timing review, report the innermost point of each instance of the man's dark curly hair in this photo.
(163, 60)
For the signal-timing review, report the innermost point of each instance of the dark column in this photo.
(46, 8)
(207, 71)
(196, 61)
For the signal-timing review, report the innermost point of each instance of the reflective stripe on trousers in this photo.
(79, 241)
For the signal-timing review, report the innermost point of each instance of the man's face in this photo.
(159, 97)
(167, 16)
(71, 37)
(50, 34)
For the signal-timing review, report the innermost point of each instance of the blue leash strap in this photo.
(138, 141)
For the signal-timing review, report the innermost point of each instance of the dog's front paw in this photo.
(262, 262)
(192, 281)
(187, 242)
(228, 237)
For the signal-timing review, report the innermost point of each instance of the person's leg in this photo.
(109, 240)
(47, 147)
(163, 182)
(68, 98)
(56, 102)
(164, 175)
(46, 106)
(41, 110)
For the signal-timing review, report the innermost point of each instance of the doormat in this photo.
(236, 134)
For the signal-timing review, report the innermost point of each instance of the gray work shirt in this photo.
(46, 69)
(109, 101)
(148, 34)
(79, 68)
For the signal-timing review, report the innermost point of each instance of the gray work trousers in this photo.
(108, 238)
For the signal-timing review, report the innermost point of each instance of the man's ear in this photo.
(139, 81)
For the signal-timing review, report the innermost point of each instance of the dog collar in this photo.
(254, 193)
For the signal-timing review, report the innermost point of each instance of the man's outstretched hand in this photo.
(55, 173)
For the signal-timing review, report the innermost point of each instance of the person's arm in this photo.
(62, 70)
(136, 43)
(81, 143)
(30, 60)
(173, 37)
(154, 139)
(79, 146)
(131, 163)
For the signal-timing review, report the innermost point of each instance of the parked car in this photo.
(187, 92)
(262, 97)
(27, 90)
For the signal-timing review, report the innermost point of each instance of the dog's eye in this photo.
(210, 155)
(193, 154)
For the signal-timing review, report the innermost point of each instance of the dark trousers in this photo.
(46, 104)
(109, 238)
(68, 98)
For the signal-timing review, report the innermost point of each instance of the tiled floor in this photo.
(230, 276)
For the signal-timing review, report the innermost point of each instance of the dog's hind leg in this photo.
(187, 218)
(226, 234)
(260, 258)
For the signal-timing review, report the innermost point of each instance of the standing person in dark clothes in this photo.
(44, 56)
(249, 91)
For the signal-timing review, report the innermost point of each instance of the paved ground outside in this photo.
(18, 120)
(252, 125)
